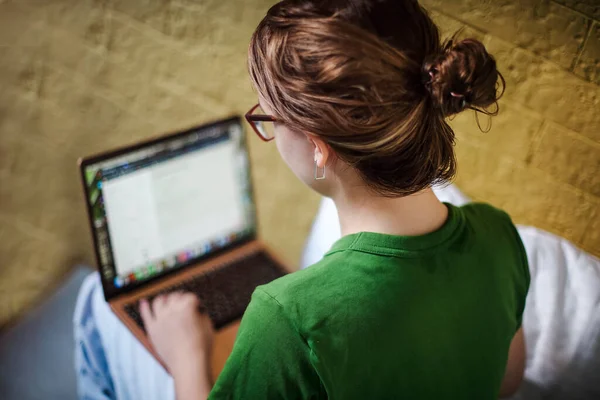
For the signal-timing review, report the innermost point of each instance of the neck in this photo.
(413, 215)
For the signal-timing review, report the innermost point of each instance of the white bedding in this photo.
(562, 315)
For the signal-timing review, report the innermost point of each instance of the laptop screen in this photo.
(168, 204)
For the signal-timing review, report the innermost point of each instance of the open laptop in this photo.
(177, 213)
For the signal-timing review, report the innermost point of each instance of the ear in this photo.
(322, 151)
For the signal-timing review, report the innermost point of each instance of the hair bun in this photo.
(463, 76)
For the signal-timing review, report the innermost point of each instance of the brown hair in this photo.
(371, 78)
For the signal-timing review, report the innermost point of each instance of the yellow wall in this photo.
(82, 76)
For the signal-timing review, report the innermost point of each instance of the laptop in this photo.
(177, 213)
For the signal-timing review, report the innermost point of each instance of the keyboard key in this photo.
(224, 291)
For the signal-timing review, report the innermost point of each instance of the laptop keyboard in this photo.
(224, 291)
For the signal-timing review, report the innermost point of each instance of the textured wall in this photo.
(541, 160)
(82, 76)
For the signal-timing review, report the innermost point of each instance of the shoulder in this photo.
(495, 226)
(487, 221)
(303, 295)
(293, 284)
(486, 213)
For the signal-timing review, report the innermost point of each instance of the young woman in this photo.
(418, 299)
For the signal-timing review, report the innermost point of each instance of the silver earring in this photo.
(317, 177)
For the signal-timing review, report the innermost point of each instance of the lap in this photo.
(116, 365)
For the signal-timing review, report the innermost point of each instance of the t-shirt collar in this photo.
(404, 246)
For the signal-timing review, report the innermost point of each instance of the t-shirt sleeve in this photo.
(521, 265)
(523, 283)
(508, 245)
(270, 359)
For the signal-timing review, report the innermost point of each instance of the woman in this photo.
(418, 299)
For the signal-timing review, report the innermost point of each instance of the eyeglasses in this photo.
(261, 123)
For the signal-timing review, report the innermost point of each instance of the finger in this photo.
(190, 297)
(192, 302)
(146, 312)
(175, 300)
(168, 298)
(174, 296)
(158, 304)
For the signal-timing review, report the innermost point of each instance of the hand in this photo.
(180, 334)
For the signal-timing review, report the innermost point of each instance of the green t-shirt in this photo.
(385, 317)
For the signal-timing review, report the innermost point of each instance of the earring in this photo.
(317, 177)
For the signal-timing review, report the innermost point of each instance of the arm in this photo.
(183, 339)
(192, 381)
(270, 358)
(515, 366)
